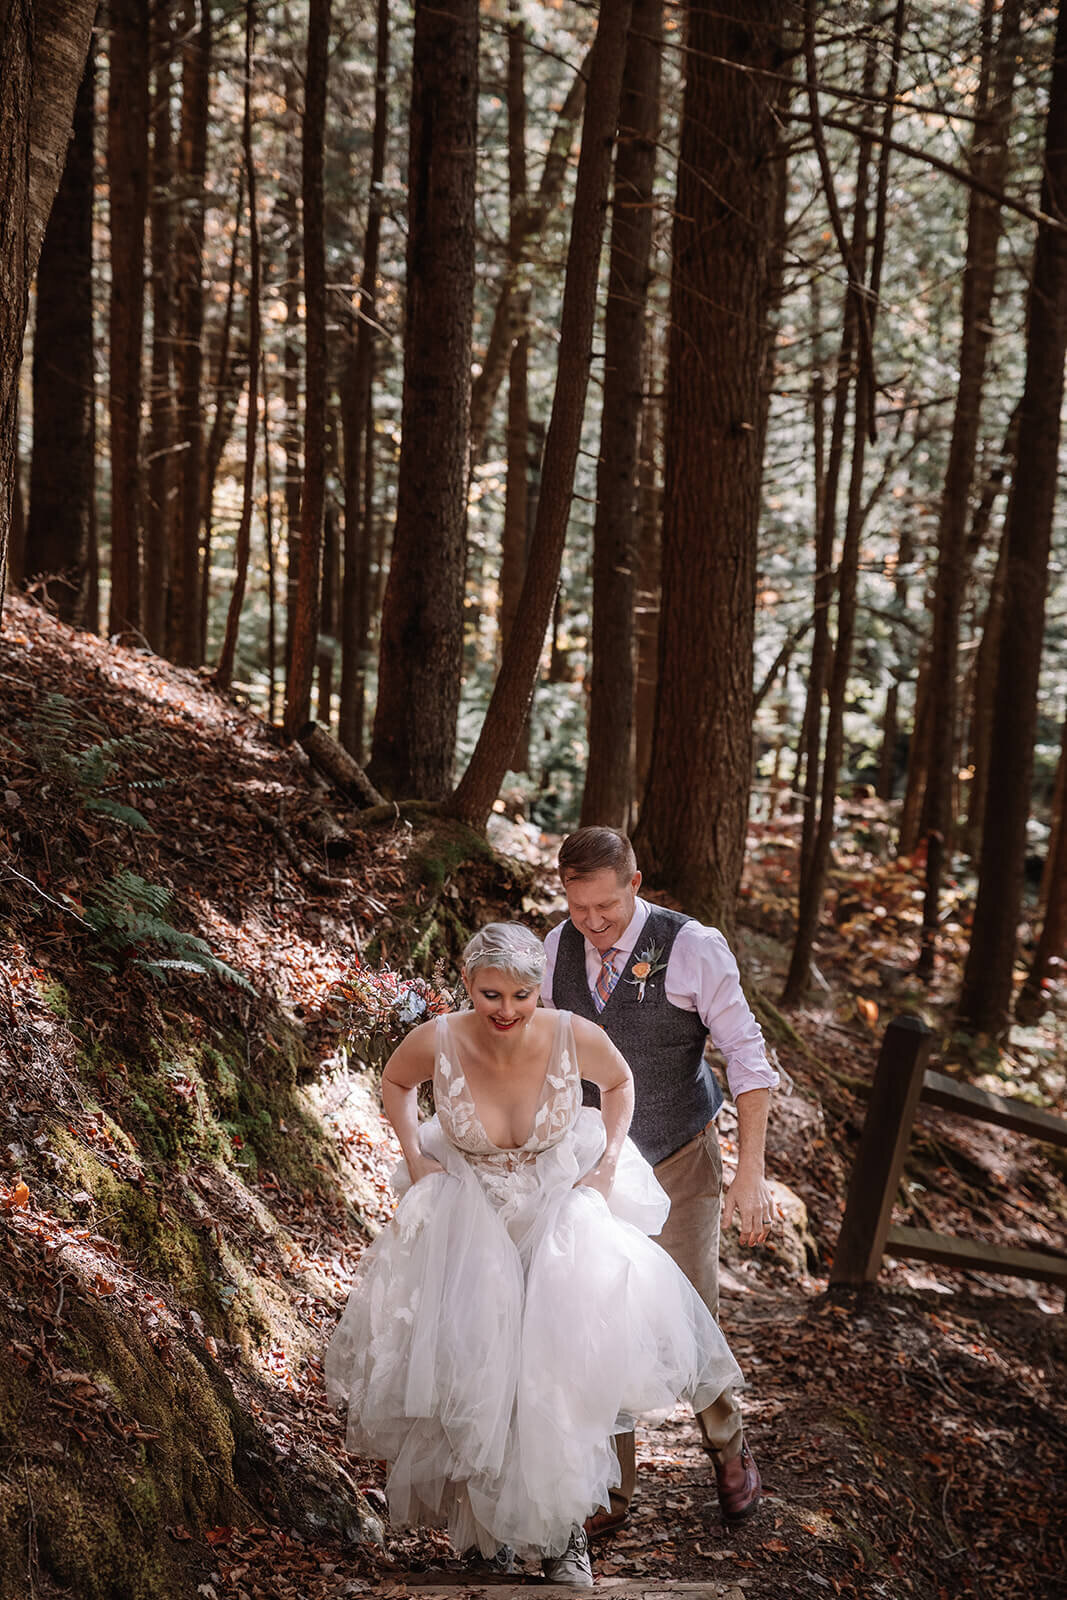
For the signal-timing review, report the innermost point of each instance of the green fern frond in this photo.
(128, 914)
(57, 734)
(113, 808)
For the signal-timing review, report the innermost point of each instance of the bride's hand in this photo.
(601, 1178)
(421, 1166)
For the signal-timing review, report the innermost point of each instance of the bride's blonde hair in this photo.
(509, 947)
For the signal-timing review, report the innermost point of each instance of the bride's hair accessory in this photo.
(509, 947)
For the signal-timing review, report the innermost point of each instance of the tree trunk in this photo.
(989, 156)
(514, 687)
(289, 205)
(332, 759)
(329, 593)
(160, 507)
(42, 59)
(224, 670)
(227, 387)
(422, 620)
(61, 522)
(127, 149)
(608, 793)
(985, 999)
(826, 510)
(646, 621)
(824, 496)
(356, 413)
(270, 555)
(515, 539)
(511, 313)
(186, 642)
(815, 870)
(690, 834)
(305, 624)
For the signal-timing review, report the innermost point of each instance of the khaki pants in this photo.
(692, 1177)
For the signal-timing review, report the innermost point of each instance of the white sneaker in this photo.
(572, 1567)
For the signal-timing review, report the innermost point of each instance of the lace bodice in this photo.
(558, 1105)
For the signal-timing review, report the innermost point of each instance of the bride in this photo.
(515, 1314)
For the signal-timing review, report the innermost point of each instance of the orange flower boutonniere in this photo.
(648, 963)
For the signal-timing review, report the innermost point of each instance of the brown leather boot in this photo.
(739, 1485)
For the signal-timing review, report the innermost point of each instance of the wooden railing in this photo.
(901, 1080)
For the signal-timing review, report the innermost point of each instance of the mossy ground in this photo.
(148, 1260)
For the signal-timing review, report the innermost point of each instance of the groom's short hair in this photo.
(590, 850)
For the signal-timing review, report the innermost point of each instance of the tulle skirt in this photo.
(504, 1326)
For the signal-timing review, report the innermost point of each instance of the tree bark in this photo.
(61, 524)
(289, 207)
(227, 387)
(312, 498)
(42, 59)
(989, 155)
(329, 595)
(690, 834)
(356, 424)
(516, 535)
(127, 147)
(511, 312)
(985, 999)
(224, 670)
(270, 555)
(826, 506)
(334, 761)
(813, 882)
(160, 507)
(186, 642)
(608, 792)
(513, 692)
(646, 620)
(422, 619)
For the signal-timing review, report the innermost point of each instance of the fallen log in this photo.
(335, 763)
(324, 830)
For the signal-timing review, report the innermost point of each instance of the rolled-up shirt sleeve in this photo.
(702, 976)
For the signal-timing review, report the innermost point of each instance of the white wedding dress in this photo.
(506, 1323)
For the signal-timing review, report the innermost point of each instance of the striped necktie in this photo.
(607, 978)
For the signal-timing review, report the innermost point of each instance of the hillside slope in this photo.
(176, 1195)
(192, 1158)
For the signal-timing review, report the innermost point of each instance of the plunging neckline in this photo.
(506, 1149)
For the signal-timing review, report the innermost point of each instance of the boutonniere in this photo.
(648, 963)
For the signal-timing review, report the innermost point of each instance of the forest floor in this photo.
(912, 1438)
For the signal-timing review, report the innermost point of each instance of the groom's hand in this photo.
(749, 1198)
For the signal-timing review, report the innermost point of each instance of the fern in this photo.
(114, 808)
(57, 734)
(128, 914)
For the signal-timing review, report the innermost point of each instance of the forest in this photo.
(426, 429)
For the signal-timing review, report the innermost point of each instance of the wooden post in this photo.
(872, 1189)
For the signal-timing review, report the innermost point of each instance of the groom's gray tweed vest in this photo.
(677, 1093)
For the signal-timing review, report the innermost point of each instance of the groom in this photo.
(660, 984)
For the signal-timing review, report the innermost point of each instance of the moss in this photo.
(56, 998)
(100, 1514)
(856, 1420)
(445, 848)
